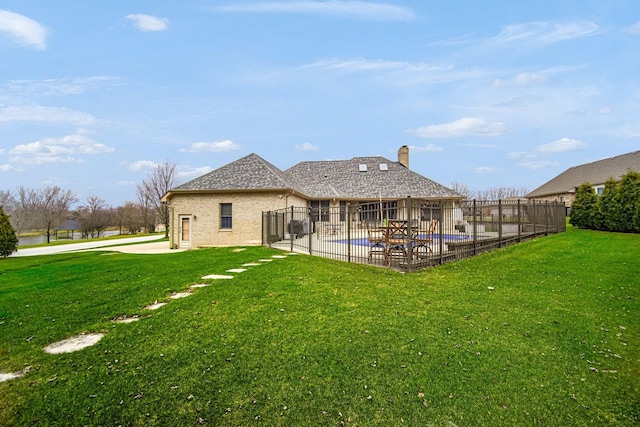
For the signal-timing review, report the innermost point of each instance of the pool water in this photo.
(447, 237)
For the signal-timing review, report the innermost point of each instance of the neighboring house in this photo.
(563, 187)
(224, 207)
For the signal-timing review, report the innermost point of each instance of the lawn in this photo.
(541, 333)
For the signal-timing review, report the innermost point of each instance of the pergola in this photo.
(69, 225)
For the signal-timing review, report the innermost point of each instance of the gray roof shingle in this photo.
(341, 179)
(595, 173)
(251, 172)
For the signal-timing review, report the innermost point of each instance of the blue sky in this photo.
(488, 94)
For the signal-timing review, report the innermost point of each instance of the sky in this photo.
(487, 93)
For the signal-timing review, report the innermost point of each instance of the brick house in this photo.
(224, 207)
(563, 187)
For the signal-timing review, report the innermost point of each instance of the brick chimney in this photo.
(403, 156)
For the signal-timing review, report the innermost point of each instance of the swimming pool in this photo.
(447, 237)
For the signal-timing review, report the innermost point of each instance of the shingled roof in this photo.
(251, 172)
(364, 178)
(361, 178)
(595, 173)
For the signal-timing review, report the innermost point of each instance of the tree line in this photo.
(489, 194)
(616, 209)
(44, 209)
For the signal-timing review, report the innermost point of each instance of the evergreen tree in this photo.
(609, 206)
(629, 197)
(8, 238)
(583, 207)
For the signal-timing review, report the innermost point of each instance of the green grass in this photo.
(116, 237)
(311, 341)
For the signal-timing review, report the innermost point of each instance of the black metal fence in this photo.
(410, 234)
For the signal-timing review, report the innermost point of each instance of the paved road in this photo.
(47, 250)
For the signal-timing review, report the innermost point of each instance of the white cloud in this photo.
(142, 165)
(59, 86)
(38, 113)
(148, 23)
(347, 8)
(562, 145)
(521, 79)
(8, 168)
(67, 149)
(633, 29)
(399, 72)
(23, 31)
(126, 183)
(187, 172)
(468, 126)
(521, 155)
(536, 34)
(306, 146)
(216, 147)
(484, 169)
(429, 148)
(362, 64)
(538, 164)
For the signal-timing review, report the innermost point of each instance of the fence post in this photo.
(440, 229)
(534, 218)
(266, 226)
(347, 218)
(546, 218)
(409, 207)
(499, 223)
(291, 230)
(475, 228)
(310, 230)
(519, 222)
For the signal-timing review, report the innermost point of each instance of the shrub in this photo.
(584, 207)
(8, 238)
(609, 206)
(618, 209)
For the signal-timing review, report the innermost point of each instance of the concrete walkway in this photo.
(148, 244)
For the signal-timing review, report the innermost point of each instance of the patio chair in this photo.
(422, 239)
(396, 240)
(376, 237)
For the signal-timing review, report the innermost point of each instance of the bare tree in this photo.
(95, 216)
(129, 217)
(7, 201)
(160, 180)
(146, 207)
(501, 193)
(23, 216)
(462, 189)
(52, 206)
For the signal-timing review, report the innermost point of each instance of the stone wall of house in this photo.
(204, 211)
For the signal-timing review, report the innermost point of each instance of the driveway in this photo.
(144, 244)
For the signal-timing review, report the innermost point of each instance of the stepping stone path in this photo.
(179, 295)
(86, 340)
(155, 306)
(201, 285)
(126, 319)
(73, 344)
(9, 376)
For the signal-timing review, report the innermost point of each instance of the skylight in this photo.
(362, 167)
(384, 167)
